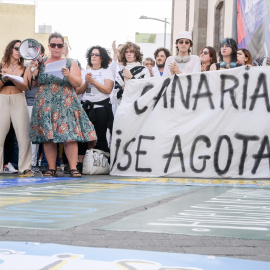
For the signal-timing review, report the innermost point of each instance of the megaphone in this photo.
(30, 50)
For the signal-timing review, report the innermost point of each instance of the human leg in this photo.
(5, 121)
(101, 125)
(34, 147)
(50, 150)
(71, 150)
(21, 123)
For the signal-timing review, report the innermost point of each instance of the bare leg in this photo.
(50, 150)
(71, 150)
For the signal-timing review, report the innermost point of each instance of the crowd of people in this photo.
(45, 117)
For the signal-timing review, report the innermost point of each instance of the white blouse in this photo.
(192, 66)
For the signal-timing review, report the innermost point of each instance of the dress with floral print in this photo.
(57, 114)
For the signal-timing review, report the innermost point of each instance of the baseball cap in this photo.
(184, 34)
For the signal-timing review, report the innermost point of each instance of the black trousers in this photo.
(100, 124)
(9, 145)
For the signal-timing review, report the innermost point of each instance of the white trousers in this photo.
(34, 147)
(13, 109)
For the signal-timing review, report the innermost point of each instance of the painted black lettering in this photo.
(245, 139)
(126, 152)
(160, 93)
(206, 140)
(223, 78)
(244, 100)
(260, 155)
(255, 96)
(207, 94)
(177, 84)
(140, 152)
(117, 146)
(216, 154)
(136, 107)
(169, 156)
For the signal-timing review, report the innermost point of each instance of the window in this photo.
(219, 24)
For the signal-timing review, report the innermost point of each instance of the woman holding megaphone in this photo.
(13, 85)
(57, 115)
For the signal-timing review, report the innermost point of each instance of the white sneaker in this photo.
(9, 169)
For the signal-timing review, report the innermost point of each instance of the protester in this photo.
(30, 99)
(227, 55)
(115, 67)
(97, 86)
(244, 57)
(161, 55)
(57, 115)
(13, 105)
(149, 63)
(183, 62)
(208, 56)
(131, 58)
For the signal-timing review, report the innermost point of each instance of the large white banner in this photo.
(204, 125)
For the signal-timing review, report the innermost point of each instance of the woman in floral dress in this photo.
(57, 115)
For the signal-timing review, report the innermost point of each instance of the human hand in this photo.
(114, 47)
(33, 65)
(89, 78)
(174, 68)
(127, 74)
(65, 72)
(150, 68)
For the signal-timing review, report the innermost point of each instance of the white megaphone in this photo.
(30, 50)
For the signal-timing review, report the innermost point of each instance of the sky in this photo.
(99, 22)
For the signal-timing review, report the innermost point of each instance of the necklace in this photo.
(13, 67)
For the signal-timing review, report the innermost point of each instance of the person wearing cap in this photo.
(183, 62)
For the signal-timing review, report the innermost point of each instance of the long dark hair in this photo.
(104, 56)
(8, 52)
(232, 43)
(213, 55)
(248, 55)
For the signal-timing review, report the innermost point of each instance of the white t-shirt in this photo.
(92, 93)
(156, 71)
(192, 66)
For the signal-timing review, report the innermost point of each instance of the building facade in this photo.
(209, 21)
(18, 22)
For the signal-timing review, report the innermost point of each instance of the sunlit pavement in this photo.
(181, 222)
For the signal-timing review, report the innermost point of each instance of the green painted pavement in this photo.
(62, 206)
(210, 211)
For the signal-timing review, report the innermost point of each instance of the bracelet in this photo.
(3, 81)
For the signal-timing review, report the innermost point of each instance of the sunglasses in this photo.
(16, 48)
(182, 42)
(205, 52)
(59, 46)
(95, 54)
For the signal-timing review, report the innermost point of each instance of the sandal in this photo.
(75, 173)
(50, 173)
(27, 173)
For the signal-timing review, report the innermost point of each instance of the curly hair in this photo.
(231, 43)
(166, 51)
(137, 51)
(8, 52)
(104, 56)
